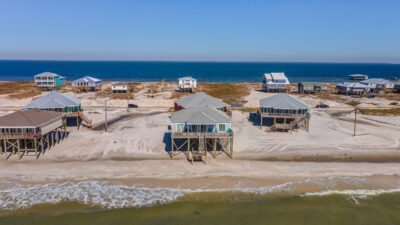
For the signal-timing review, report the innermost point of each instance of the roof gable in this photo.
(283, 101)
(54, 100)
(86, 79)
(200, 99)
(200, 115)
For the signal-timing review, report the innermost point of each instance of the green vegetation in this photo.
(246, 110)
(381, 112)
(228, 92)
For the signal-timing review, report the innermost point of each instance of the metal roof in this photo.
(376, 81)
(199, 116)
(86, 79)
(352, 85)
(120, 84)
(54, 100)
(275, 76)
(29, 118)
(312, 84)
(187, 78)
(48, 74)
(200, 99)
(283, 101)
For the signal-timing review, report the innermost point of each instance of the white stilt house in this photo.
(276, 82)
(187, 84)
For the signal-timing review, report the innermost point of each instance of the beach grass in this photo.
(381, 112)
(228, 92)
(245, 110)
(19, 89)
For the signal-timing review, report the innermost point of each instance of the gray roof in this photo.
(86, 79)
(54, 100)
(120, 84)
(200, 115)
(48, 74)
(376, 81)
(187, 78)
(28, 118)
(352, 85)
(283, 101)
(200, 99)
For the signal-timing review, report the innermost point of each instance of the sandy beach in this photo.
(134, 149)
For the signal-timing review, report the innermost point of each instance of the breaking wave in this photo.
(110, 195)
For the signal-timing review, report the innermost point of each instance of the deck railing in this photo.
(201, 134)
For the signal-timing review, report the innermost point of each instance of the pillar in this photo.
(172, 147)
(35, 144)
(231, 146)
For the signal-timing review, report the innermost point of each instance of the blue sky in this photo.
(311, 31)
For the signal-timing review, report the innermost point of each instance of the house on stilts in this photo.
(187, 84)
(86, 84)
(199, 126)
(275, 82)
(31, 130)
(68, 105)
(49, 81)
(284, 112)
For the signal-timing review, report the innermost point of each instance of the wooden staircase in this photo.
(201, 151)
(84, 118)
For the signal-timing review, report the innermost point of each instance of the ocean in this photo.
(335, 200)
(231, 72)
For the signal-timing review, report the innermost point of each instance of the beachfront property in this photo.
(187, 84)
(311, 87)
(378, 85)
(358, 77)
(201, 124)
(200, 130)
(121, 87)
(275, 82)
(352, 88)
(284, 112)
(86, 84)
(31, 130)
(49, 81)
(68, 105)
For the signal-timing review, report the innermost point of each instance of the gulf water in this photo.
(12, 70)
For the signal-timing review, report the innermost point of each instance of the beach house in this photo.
(200, 99)
(55, 101)
(121, 87)
(378, 85)
(311, 87)
(284, 112)
(352, 88)
(397, 87)
(275, 82)
(49, 81)
(86, 84)
(197, 131)
(187, 84)
(31, 130)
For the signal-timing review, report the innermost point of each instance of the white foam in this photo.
(109, 195)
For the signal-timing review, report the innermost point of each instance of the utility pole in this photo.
(105, 114)
(355, 120)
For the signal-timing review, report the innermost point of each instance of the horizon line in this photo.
(198, 61)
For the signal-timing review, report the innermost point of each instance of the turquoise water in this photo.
(203, 71)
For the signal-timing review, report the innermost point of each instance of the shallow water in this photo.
(200, 209)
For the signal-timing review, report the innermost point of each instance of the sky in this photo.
(203, 30)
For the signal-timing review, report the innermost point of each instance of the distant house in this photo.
(49, 81)
(378, 85)
(358, 77)
(311, 87)
(397, 87)
(284, 112)
(187, 84)
(352, 88)
(55, 101)
(200, 99)
(275, 82)
(121, 87)
(86, 84)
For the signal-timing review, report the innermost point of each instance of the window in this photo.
(179, 127)
(221, 127)
(203, 128)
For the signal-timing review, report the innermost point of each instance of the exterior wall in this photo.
(86, 84)
(52, 126)
(215, 127)
(49, 81)
(187, 83)
(120, 88)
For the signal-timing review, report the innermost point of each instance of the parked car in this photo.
(322, 106)
(132, 106)
(371, 96)
(394, 103)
